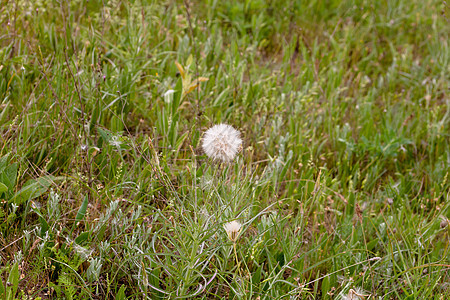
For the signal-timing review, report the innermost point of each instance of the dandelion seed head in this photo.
(232, 228)
(222, 142)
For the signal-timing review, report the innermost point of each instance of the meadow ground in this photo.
(341, 184)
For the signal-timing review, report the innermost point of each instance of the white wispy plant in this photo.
(222, 142)
(355, 294)
(232, 229)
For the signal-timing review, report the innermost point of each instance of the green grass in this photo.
(342, 183)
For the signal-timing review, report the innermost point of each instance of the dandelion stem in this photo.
(237, 260)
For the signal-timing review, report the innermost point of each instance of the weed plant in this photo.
(340, 188)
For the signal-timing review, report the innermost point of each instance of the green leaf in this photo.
(325, 286)
(372, 244)
(5, 111)
(280, 258)
(81, 212)
(3, 163)
(33, 189)
(180, 141)
(82, 237)
(287, 165)
(13, 279)
(177, 96)
(256, 277)
(105, 134)
(2, 288)
(121, 293)
(9, 175)
(44, 226)
(3, 188)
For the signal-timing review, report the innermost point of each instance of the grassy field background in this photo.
(342, 186)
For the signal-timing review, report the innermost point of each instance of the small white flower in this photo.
(233, 229)
(115, 141)
(222, 142)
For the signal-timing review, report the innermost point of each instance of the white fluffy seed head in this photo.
(222, 142)
(233, 228)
